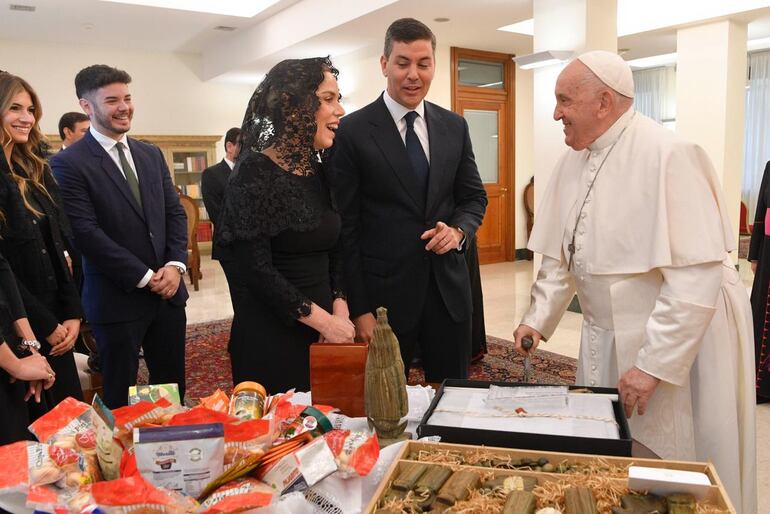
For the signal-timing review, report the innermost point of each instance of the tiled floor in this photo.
(506, 297)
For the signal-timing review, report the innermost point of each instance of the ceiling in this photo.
(293, 28)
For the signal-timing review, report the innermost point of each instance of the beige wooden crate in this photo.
(716, 495)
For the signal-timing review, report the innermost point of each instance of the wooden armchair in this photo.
(529, 204)
(193, 253)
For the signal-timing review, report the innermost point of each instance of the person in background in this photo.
(666, 318)
(72, 127)
(33, 235)
(411, 199)
(759, 256)
(131, 231)
(279, 230)
(215, 179)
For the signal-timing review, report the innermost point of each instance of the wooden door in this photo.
(482, 92)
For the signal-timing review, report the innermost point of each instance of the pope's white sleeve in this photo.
(682, 313)
(550, 296)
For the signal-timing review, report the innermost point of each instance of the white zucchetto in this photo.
(611, 69)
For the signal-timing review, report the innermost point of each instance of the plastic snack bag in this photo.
(135, 495)
(218, 401)
(237, 496)
(25, 464)
(356, 453)
(142, 414)
(70, 426)
(183, 458)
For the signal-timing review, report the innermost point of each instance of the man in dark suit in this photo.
(410, 196)
(131, 230)
(215, 179)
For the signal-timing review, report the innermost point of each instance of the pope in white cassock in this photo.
(633, 220)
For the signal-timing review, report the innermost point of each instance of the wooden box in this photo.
(715, 496)
(337, 374)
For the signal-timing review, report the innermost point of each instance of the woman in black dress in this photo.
(15, 370)
(33, 235)
(759, 256)
(279, 231)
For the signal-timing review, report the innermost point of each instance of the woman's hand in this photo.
(754, 266)
(32, 367)
(338, 330)
(72, 329)
(57, 336)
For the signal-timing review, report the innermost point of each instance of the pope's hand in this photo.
(636, 388)
(520, 333)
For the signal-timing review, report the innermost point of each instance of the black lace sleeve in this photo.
(261, 200)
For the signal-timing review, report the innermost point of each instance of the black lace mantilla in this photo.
(281, 112)
(263, 200)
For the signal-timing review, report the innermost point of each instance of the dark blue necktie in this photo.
(415, 150)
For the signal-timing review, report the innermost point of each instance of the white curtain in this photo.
(655, 93)
(757, 140)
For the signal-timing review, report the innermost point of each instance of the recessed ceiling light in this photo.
(441, 20)
(242, 9)
(23, 8)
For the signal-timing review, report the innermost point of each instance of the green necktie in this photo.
(128, 171)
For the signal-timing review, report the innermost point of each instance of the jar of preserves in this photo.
(248, 401)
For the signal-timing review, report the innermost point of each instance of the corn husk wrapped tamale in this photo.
(681, 503)
(640, 504)
(579, 500)
(458, 487)
(385, 399)
(520, 502)
(433, 479)
(408, 476)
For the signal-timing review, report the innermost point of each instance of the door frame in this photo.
(508, 96)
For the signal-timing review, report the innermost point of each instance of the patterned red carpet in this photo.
(208, 363)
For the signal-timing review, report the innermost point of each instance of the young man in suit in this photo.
(131, 230)
(410, 195)
(215, 179)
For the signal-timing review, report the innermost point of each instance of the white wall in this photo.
(523, 150)
(169, 97)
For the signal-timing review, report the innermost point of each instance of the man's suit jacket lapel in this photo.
(111, 170)
(386, 137)
(437, 137)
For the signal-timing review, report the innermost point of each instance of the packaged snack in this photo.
(237, 496)
(49, 498)
(26, 464)
(248, 401)
(108, 449)
(218, 401)
(246, 439)
(300, 469)
(180, 458)
(69, 417)
(356, 453)
(201, 415)
(153, 393)
(142, 414)
(137, 496)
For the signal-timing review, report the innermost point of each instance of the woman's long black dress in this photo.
(279, 235)
(34, 246)
(760, 292)
(13, 427)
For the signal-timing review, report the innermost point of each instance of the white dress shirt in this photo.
(110, 146)
(398, 112)
(230, 163)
